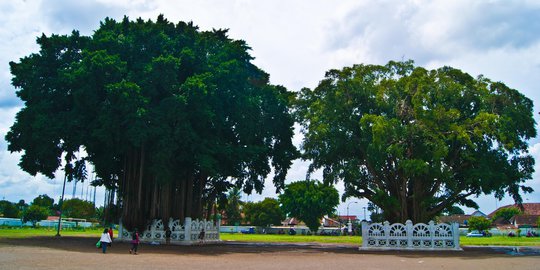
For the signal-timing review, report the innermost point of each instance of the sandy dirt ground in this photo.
(80, 253)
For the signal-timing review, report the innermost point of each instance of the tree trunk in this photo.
(189, 197)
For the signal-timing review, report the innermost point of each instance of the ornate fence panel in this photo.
(181, 234)
(419, 236)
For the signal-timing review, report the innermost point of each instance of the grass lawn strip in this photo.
(274, 238)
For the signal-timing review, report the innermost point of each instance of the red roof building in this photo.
(520, 221)
(528, 209)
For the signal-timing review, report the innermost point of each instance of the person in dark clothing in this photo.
(201, 236)
(134, 242)
(168, 236)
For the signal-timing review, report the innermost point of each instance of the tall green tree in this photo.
(264, 213)
(478, 223)
(416, 141)
(165, 112)
(44, 201)
(309, 201)
(506, 213)
(233, 205)
(77, 208)
(35, 213)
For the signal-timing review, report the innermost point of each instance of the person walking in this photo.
(134, 242)
(111, 234)
(168, 236)
(201, 236)
(105, 240)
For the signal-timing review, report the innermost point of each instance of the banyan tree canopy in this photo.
(170, 116)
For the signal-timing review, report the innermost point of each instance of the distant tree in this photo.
(263, 213)
(376, 217)
(309, 201)
(376, 213)
(44, 201)
(99, 215)
(232, 206)
(77, 208)
(479, 223)
(35, 213)
(8, 209)
(453, 210)
(22, 205)
(506, 213)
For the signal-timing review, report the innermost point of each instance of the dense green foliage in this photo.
(8, 209)
(35, 213)
(264, 213)
(232, 207)
(44, 201)
(171, 117)
(478, 223)
(506, 213)
(453, 210)
(309, 201)
(416, 141)
(77, 208)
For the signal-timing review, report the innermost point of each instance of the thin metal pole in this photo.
(60, 206)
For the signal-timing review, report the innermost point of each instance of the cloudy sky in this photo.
(296, 42)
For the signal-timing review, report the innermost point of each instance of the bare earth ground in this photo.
(80, 253)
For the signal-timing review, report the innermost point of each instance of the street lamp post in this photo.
(365, 213)
(60, 207)
(349, 223)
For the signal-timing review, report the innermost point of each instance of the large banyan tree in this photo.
(170, 116)
(414, 141)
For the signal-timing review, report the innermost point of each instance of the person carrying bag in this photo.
(105, 240)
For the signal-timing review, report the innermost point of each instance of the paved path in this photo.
(80, 253)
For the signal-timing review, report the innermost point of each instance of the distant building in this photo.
(459, 219)
(528, 219)
(525, 221)
(462, 220)
(345, 219)
(528, 208)
(291, 222)
(478, 213)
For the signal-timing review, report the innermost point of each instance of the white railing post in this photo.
(455, 234)
(409, 228)
(432, 233)
(365, 236)
(386, 231)
(120, 230)
(187, 229)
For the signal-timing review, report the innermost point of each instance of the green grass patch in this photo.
(26, 232)
(357, 240)
(500, 241)
(284, 238)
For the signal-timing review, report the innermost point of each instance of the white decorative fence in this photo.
(181, 234)
(420, 236)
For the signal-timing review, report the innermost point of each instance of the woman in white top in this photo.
(105, 240)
